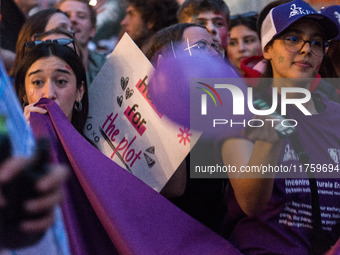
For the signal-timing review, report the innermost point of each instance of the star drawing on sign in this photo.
(184, 135)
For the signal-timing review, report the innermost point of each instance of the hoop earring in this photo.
(78, 106)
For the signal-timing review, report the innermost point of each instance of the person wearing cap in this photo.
(275, 212)
(330, 67)
(254, 66)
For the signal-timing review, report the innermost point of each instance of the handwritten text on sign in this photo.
(125, 125)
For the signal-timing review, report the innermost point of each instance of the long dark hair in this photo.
(66, 54)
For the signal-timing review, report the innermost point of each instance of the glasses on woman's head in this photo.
(244, 16)
(203, 45)
(61, 42)
(295, 44)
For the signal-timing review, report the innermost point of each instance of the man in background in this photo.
(145, 17)
(84, 18)
(213, 14)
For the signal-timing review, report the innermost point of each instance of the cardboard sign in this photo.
(125, 125)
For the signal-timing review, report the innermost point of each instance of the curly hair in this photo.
(159, 13)
(191, 8)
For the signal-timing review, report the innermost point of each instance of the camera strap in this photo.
(320, 243)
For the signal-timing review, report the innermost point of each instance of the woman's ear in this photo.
(267, 52)
(80, 92)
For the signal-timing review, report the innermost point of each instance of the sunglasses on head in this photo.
(244, 15)
(61, 42)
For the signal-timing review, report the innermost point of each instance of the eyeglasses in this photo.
(61, 42)
(295, 44)
(203, 45)
(244, 15)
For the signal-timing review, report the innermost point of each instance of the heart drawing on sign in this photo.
(120, 101)
(124, 82)
(128, 93)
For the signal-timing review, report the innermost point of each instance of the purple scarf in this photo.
(107, 210)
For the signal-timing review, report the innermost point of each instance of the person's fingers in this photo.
(11, 168)
(56, 175)
(8, 171)
(38, 225)
(31, 108)
(43, 203)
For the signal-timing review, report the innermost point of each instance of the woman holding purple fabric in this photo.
(52, 69)
(106, 209)
(294, 214)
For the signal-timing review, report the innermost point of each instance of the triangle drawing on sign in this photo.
(149, 160)
(151, 150)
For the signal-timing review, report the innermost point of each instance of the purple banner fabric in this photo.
(102, 195)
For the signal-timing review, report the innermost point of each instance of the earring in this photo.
(78, 106)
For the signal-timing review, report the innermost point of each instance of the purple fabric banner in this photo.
(107, 210)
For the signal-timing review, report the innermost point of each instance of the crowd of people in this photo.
(288, 43)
